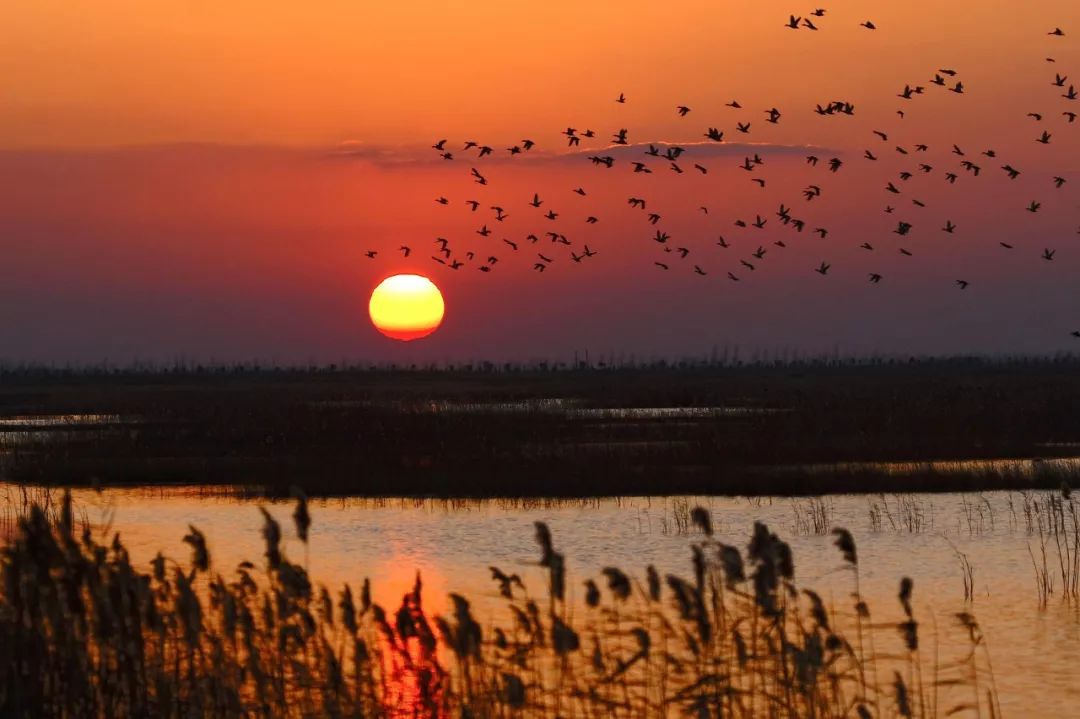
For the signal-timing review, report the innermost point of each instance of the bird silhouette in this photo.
(879, 166)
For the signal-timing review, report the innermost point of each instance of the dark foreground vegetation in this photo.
(784, 428)
(88, 634)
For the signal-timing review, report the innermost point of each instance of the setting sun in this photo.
(406, 307)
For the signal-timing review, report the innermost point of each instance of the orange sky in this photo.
(118, 72)
(172, 181)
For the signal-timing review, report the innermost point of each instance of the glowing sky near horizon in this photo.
(204, 181)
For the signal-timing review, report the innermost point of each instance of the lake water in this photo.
(1036, 651)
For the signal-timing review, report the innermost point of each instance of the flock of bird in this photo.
(619, 151)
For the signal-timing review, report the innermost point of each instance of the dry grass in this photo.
(1053, 519)
(88, 634)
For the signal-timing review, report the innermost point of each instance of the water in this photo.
(56, 428)
(452, 543)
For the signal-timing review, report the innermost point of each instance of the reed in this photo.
(89, 634)
(1053, 518)
(900, 513)
(797, 428)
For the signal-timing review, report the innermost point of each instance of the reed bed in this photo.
(89, 634)
(725, 427)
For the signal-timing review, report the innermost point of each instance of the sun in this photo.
(406, 307)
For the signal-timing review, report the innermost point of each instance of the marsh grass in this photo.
(89, 634)
(785, 428)
(813, 515)
(900, 513)
(1053, 520)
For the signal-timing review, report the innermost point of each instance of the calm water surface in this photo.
(1036, 652)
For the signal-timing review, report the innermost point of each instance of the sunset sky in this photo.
(201, 180)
